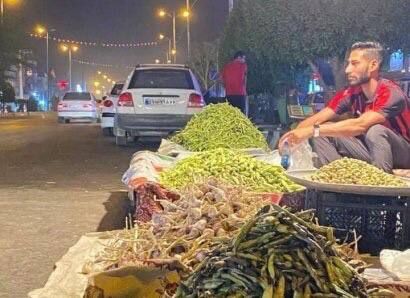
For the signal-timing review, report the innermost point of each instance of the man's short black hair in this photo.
(373, 49)
(239, 54)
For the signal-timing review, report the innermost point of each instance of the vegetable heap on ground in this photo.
(185, 229)
(276, 254)
(353, 171)
(234, 167)
(220, 126)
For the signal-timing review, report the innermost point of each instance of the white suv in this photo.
(156, 100)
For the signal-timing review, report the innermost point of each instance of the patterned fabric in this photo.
(146, 196)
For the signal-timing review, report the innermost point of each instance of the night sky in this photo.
(120, 21)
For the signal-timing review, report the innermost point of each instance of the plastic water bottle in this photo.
(286, 158)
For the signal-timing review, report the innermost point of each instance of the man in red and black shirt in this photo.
(234, 76)
(379, 128)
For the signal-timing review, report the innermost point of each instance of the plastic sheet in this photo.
(145, 166)
(397, 263)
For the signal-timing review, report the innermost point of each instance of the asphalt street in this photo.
(57, 182)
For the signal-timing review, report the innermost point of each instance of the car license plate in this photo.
(159, 101)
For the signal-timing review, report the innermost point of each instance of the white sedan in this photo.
(77, 105)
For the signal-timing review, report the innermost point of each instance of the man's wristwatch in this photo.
(316, 130)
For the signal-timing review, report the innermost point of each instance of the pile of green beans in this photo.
(353, 171)
(231, 166)
(276, 254)
(220, 126)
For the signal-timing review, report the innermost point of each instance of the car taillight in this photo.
(125, 100)
(61, 106)
(196, 101)
(108, 103)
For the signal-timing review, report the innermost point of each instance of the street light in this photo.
(157, 61)
(69, 49)
(10, 2)
(162, 37)
(40, 30)
(105, 76)
(187, 15)
(162, 13)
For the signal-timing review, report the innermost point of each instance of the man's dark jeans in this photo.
(380, 146)
(238, 101)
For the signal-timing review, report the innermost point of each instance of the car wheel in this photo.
(121, 141)
(107, 132)
(60, 120)
(66, 120)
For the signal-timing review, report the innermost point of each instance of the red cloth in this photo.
(234, 77)
(389, 100)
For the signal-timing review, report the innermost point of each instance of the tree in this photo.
(284, 36)
(9, 94)
(204, 56)
(11, 37)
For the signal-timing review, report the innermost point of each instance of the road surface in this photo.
(57, 182)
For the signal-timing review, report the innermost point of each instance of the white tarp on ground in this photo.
(67, 280)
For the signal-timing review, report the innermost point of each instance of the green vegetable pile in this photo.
(233, 167)
(353, 171)
(220, 126)
(276, 254)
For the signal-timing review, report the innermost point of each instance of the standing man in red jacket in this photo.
(234, 76)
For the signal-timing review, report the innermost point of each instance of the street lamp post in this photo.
(2, 10)
(188, 27)
(9, 2)
(168, 55)
(41, 30)
(174, 34)
(163, 13)
(70, 49)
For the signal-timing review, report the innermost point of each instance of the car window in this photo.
(161, 78)
(116, 90)
(77, 96)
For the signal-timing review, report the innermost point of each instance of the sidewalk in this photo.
(26, 115)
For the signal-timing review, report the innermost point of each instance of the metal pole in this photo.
(69, 67)
(230, 5)
(174, 35)
(169, 48)
(188, 26)
(47, 73)
(21, 89)
(2, 10)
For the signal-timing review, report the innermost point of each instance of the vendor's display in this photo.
(276, 254)
(231, 166)
(184, 230)
(220, 126)
(149, 196)
(353, 171)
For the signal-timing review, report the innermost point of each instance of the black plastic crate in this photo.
(383, 222)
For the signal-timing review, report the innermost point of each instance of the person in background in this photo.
(234, 77)
(378, 131)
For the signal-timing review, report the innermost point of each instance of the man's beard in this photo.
(363, 79)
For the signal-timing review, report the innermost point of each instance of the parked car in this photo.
(77, 105)
(108, 106)
(156, 100)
